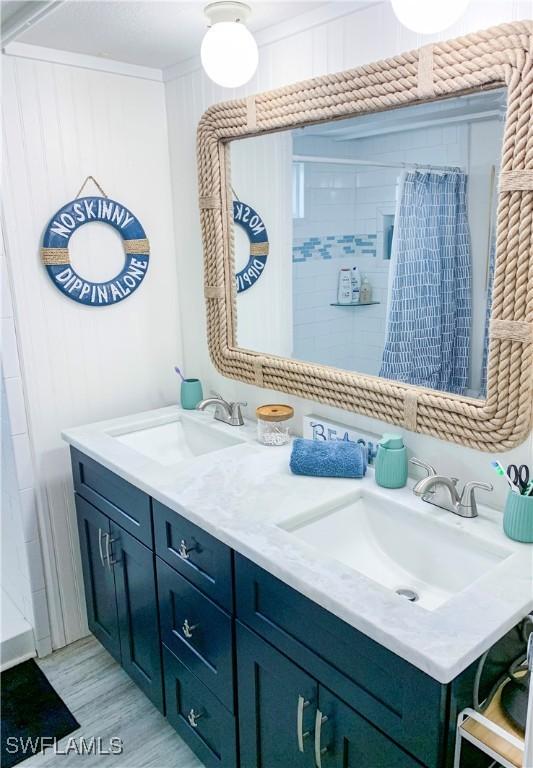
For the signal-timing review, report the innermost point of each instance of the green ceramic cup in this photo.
(191, 393)
(518, 517)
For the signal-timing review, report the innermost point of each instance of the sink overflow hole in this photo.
(409, 594)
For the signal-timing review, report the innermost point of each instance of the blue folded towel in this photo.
(328, 458)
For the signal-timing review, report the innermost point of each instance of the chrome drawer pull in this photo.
(100, 547)
(183, 550)
(302, 704)
(108, 553)
(193, 718)
(187, 629)
(319, 751)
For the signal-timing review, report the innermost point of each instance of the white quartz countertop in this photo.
(242, 493)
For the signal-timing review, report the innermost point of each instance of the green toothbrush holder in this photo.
(518, 517)
(191, 393)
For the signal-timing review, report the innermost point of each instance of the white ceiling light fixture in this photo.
(229, 52)
(429, 16)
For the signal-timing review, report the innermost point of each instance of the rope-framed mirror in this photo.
(498, 57)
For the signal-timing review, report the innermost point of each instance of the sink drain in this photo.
(409, 594)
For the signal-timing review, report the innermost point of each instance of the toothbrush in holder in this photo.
(497, 467)
(182, 377)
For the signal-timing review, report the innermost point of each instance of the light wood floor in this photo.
(107, 703)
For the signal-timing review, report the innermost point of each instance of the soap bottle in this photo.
(356, 285)
(391, 462)
(344, 291)
(365, 294)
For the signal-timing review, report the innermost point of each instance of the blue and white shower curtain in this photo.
(429, 312)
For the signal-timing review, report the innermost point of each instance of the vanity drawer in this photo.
(212, 735)
(197, 631)
(118, 499)
(201, 558)
(403, 702)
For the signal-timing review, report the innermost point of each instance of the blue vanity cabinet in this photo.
(344, 739)
(199, 717)
(99, 580)
(287, 719)
(248, 671)
(197, 631)
(134, 569)
(119, 574)
(277, 705)
(402, 702)
(204, 560)
(116, 498)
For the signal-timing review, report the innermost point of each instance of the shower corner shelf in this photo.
(355, 304)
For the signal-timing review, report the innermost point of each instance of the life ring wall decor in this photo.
(245, 216)
(55, 253)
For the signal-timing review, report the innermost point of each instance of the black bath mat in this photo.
(31, 710)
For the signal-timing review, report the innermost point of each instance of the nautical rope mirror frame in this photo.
(501, 55)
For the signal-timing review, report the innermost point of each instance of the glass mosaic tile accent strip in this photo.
(333, 247)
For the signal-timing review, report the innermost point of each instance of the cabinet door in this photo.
(344, 739)
(277, 704)
(134, 568)
(198, 716)
(98, 577)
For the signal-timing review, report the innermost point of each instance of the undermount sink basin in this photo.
(176, 441)
(399, 548)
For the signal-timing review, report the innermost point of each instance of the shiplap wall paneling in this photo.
(82, 364)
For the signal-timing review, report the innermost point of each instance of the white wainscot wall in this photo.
(81, 364)
(357, 37)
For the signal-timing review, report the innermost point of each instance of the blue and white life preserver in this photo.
(253, 225)
(55, 254)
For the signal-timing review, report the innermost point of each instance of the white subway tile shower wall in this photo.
(340, 199)
(340, 336)
(22, 561)
(328, 47)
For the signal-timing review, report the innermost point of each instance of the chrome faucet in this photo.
(229, 413)
(441, 491)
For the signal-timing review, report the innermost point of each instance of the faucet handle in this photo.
(430, 469)
(468, 496)
(476, 484)
(470, 487)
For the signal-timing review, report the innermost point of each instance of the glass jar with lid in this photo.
(273, 424)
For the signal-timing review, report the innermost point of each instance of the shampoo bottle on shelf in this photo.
(365, 294)
(344, 291)
(356, 285)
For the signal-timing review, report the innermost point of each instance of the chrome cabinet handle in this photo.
(302, 704)
(183, 550)
(100, 547)
(108, 553)
(187, 629)
(193, 718)
(319, 750)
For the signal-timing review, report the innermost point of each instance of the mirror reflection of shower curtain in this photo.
(486, 333)
(429, 309)
(491, 263)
